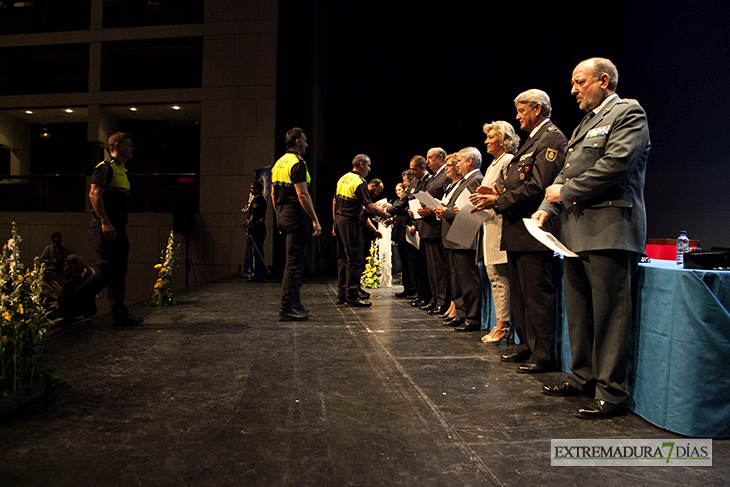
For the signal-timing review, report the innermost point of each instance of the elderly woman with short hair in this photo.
(502, 142)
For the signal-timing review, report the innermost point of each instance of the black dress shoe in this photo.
(601, 410)
(360, 303)
(455, 321)
(405, 295)
(428, 307)
(443, 316)
(363, 294)
(534, 368)
(469, 327)
(435, 311)
(292, 315)
(417, 303)
(564, 389)
(515, 357)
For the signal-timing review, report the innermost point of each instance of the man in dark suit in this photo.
(534, 272)
(600, 191)
(421, 176)
(429, 229)
(465, 278)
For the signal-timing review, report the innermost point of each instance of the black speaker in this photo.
(184, 222)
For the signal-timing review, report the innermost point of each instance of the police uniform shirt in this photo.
(351, 195)
(288, 170)
(112, 176)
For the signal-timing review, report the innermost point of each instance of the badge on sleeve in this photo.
(551, 154)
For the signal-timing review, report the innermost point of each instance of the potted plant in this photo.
(23, 322)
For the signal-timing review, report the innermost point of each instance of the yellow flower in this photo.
(377, 262)
(372, 250)
(20, 277)
(162, 269)
(6, 315)
(20, 309)
(158, 285)
(157, 266)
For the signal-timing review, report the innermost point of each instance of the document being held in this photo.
(547, 239)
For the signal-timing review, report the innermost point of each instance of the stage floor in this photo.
(217, 392)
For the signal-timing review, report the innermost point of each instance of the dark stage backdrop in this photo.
(392, 79)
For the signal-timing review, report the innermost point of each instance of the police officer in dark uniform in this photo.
(293, 204)
(534, 272)
(109, 198)
(351, 196)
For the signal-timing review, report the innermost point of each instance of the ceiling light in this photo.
(29, 112)
(176, 107)
(68, 110)
(133, 109)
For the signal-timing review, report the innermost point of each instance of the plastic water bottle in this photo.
(682, 247)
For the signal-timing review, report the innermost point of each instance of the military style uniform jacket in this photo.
(603, 180)
(532, 169)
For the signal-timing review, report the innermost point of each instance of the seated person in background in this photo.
(54, 256)
(50, 289)
(71, 301)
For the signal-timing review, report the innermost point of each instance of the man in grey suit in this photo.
(600, 191)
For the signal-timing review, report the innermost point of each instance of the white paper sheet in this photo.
(414, 239)
(427, 199)
(466, 225)
(547, 239)
(415, 205)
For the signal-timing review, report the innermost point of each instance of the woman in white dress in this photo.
(502, 142)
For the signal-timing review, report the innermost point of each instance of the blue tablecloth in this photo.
(679, 375)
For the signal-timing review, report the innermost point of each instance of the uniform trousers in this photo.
(294, 225)
(111, 259)
(534, 277)
(409, 261)
(349, 258)
(600, 297)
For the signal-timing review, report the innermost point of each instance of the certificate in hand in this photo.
(414, 205)
(466, 224)
(427, 199)
(547, 239)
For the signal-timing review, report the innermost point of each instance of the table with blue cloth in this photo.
(678, 377)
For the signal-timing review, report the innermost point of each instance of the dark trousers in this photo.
(293, 224)
(533, 279)
(600, 293)
(438, 271)
(424, 286)
(466, 287)
(349, 258)
(111, 260)
(409, 261)
(253, 259)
